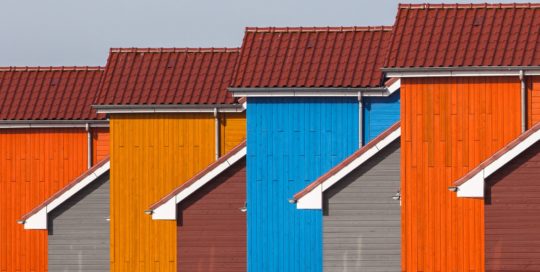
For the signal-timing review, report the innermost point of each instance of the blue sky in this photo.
(80, 32)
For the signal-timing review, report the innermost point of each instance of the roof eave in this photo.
(309, 92)
(483, 71)
(207, 108)
(7, 124)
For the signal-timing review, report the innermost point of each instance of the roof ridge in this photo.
(468, 6)
(175, 49)
(50, 68)
(319, 29)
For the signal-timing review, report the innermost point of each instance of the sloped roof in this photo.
(49, 93)
(168, 76)
(465, 35)
(349, 164)
(498, 160)
(312, 57)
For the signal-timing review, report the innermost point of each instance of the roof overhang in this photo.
(165, 209)
(315, 92)
(168, 108)
(37, 218)
(473, 183)
(473, 71)
(7, 124)
(312, 196)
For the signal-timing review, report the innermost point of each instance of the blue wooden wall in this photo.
(291, 142)
(379, 114)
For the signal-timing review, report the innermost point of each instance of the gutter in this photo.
(6, 124)
(462, 71)
(309, 92)
(206, 108)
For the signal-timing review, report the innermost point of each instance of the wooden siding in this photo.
(232, 131)
(533, 100)
(100, 144)
(449, 125)
(291, 142)
(34, 164)
(361, 222)
(379, 113)
(512, 215)
(151, 154)
(211, 229)
(79, 231)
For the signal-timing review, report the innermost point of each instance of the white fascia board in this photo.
(394, 86)
(39, 220)
(459, 73)
(474, 187)
(313, 199)
(167, 210)
(51, 125)
(168, 110)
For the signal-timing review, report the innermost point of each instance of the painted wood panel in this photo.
(78, 231)
(361, 222)
(533, 99)
(34, 164)
(211, 229)
(232, 131)
(151, 154)
(449, 125)
(100, 144)
(291, 142)
(512, 215)
(379, 113)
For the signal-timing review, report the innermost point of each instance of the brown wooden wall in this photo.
(512, 215)
(211, 229)
(449, 125)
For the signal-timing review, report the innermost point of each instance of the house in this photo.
(469, 86)
(309, 91)
(209, 210)
(77, 222)
(171, 116)
(359, 198)
(49, 135)
(508, 183)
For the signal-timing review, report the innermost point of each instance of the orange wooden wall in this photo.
(449, 125)
(34, 164)
(151, 154)
(533, 100)
(100, 144)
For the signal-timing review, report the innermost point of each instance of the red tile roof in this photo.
(347, 161)
(498, 154)
(465, 35)
(199, 175)
(312, 57)
(65, 188)
(49, 93)
(168, 76)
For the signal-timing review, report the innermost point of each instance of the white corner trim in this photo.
(394, 86)
(167, 210)
(474, 187)
(313, 199)
(39, 219)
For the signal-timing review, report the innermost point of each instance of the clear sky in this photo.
(80, 32)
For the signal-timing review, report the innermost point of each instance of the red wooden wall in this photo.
(211, 228)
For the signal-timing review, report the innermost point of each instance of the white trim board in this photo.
(313, 200)
(460, 73)
(38, 220)
(474, 186)
(167, 210)
(314, 92)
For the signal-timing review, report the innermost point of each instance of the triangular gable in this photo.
(472, 184)
(311, 197)
(37, 218)
(165, 209)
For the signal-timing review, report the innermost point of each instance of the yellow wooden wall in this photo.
(150, 155)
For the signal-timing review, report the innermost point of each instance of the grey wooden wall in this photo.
(362, 223)
(79, 230)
